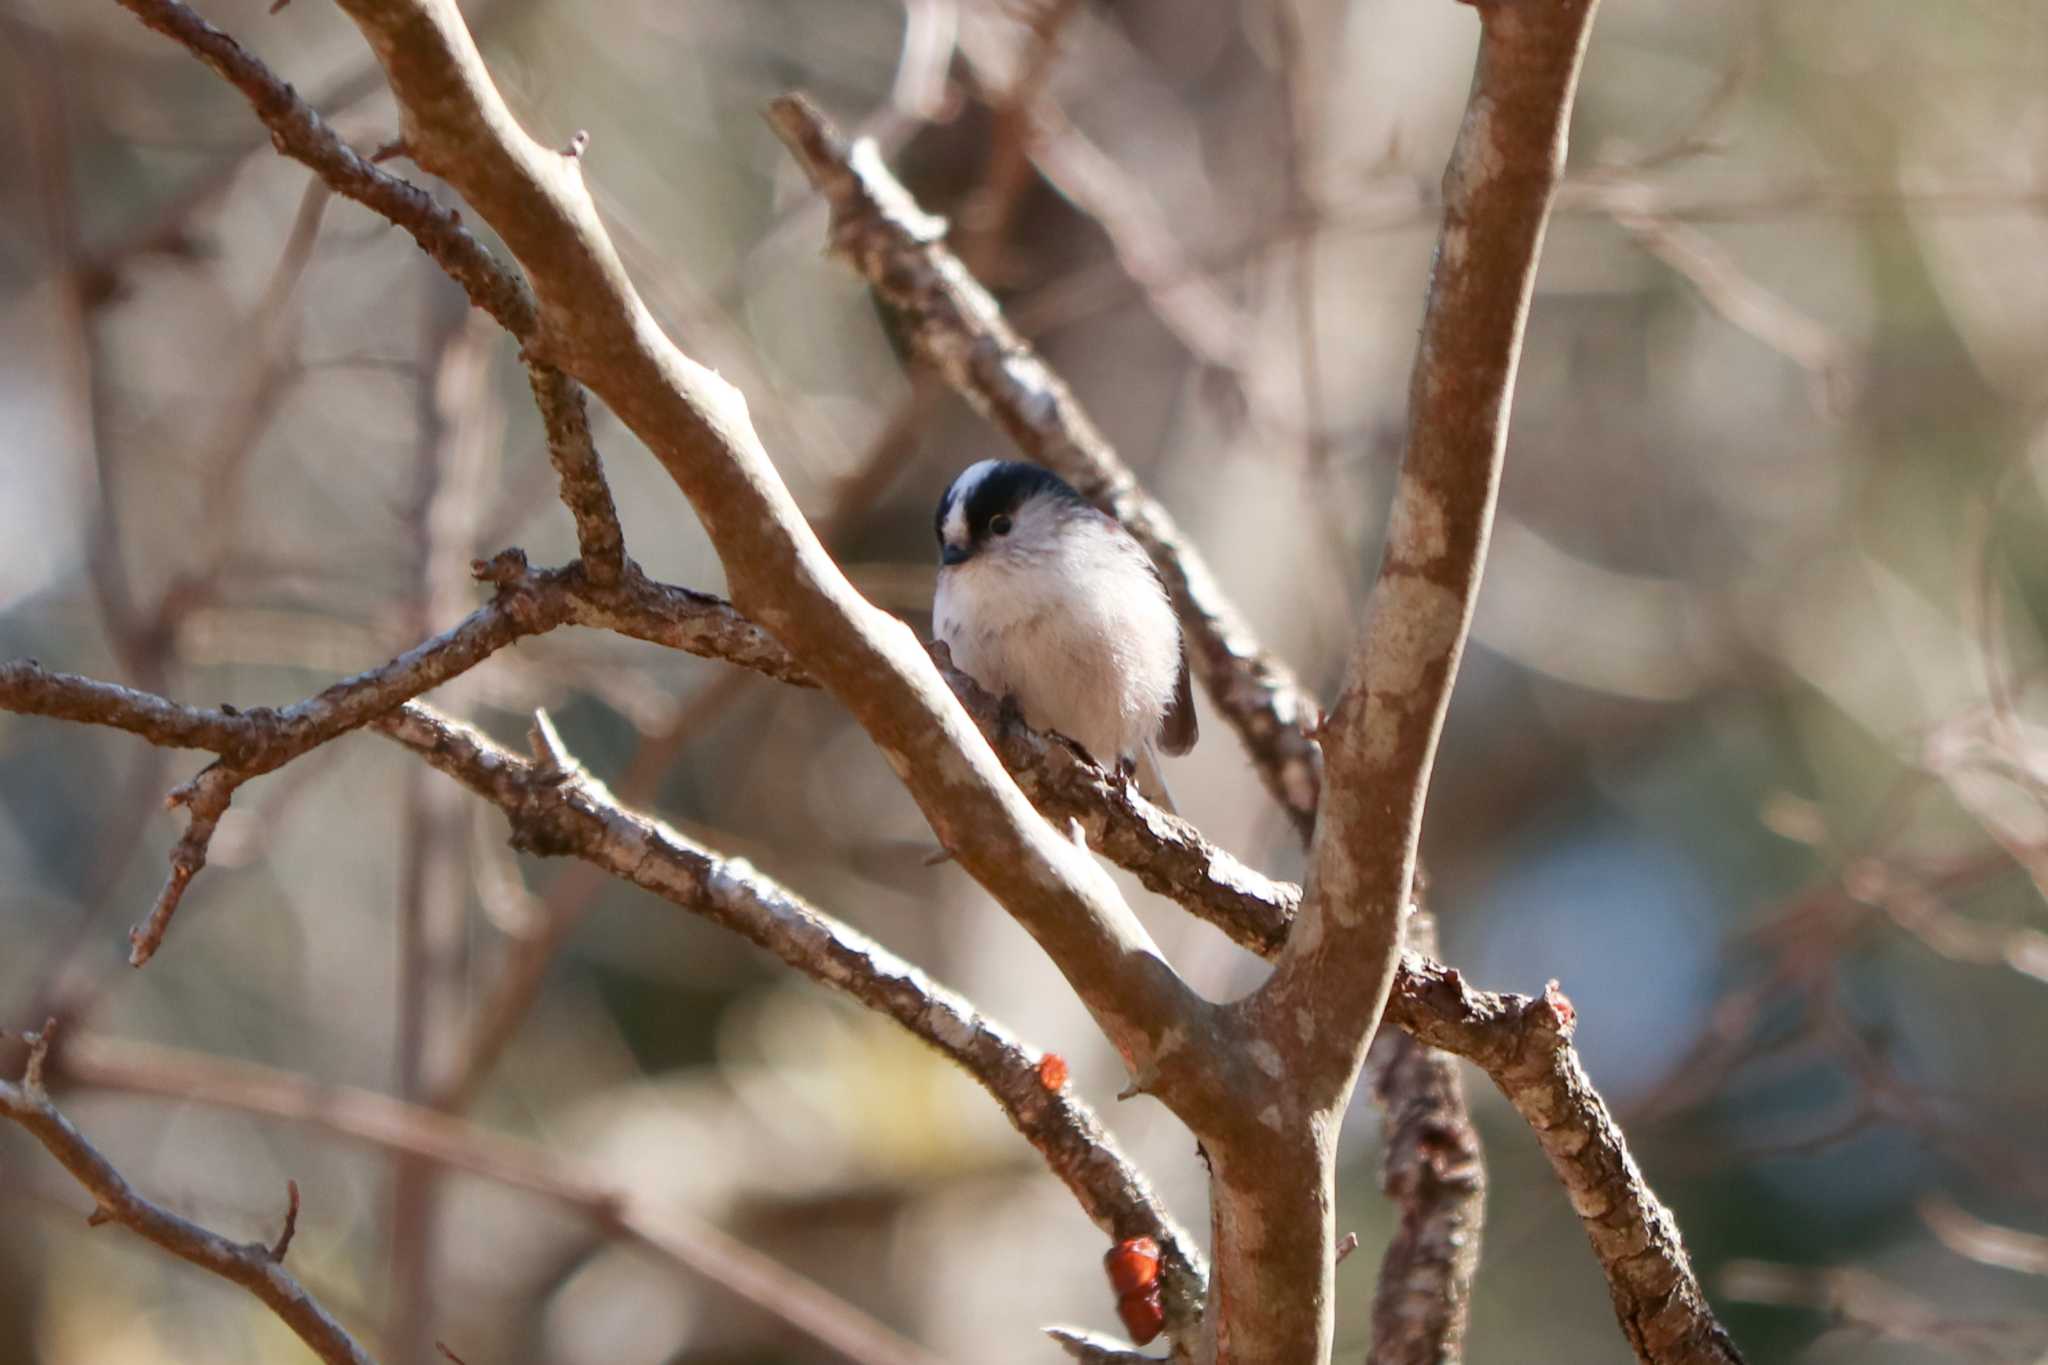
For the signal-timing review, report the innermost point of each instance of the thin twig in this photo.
(1092, 1349)
(1986, 1243)
(283, 1243)
(298, 131)
(992, 207)
(595, 326)
(527, 602)
(1868, 1306)
(205, 799)
(1745, 302)
(566, 415)
(251, 743)
(457, 432)
(1300, 147)
(248, 1264)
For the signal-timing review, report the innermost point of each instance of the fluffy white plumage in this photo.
(1044, 599)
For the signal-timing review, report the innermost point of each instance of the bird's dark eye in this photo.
(1000, 523)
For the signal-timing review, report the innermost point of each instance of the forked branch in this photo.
(256, 1266)
(593, 325)
(558, 809)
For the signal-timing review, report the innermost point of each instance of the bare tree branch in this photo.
(1987, 1243)
(584, 490)
(1110, 1190)
(1317, 1013)
(381, 1121)
(959, 328)
(1868, 1306)
(1382, 733)
(1527, 1054)
(594, 326)
(251, 743)
(560, 810)
(955, 326)
(527, 602)
(590, 323)
(1631, 1232)
(1093, 1349)
(1524, 1044)
(1167, 854)
(1433, 1172)
(1745, 302)
(300, 133)
(1014, 134)
(255, 1266)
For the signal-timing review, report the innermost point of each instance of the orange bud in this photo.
(1143, 1315)
(1133, 1265)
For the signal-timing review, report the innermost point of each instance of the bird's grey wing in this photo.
(1178, 732)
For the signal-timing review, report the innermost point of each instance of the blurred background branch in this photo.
(256, 1266)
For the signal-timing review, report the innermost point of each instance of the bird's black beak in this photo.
(950, 555)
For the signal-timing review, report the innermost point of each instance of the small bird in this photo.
(1045, 600)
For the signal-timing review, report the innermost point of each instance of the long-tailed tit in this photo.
(1047, 601)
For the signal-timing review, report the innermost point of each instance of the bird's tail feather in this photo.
(1152, 783)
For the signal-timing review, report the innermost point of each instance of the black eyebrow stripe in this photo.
(1008, 486)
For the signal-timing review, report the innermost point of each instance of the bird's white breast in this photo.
(1079, 632)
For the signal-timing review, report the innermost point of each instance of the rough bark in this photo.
(1434, 1173)
(1524, 1044)
(1318, 1012)
(557, 809)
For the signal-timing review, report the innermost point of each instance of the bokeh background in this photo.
(1745, 752)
